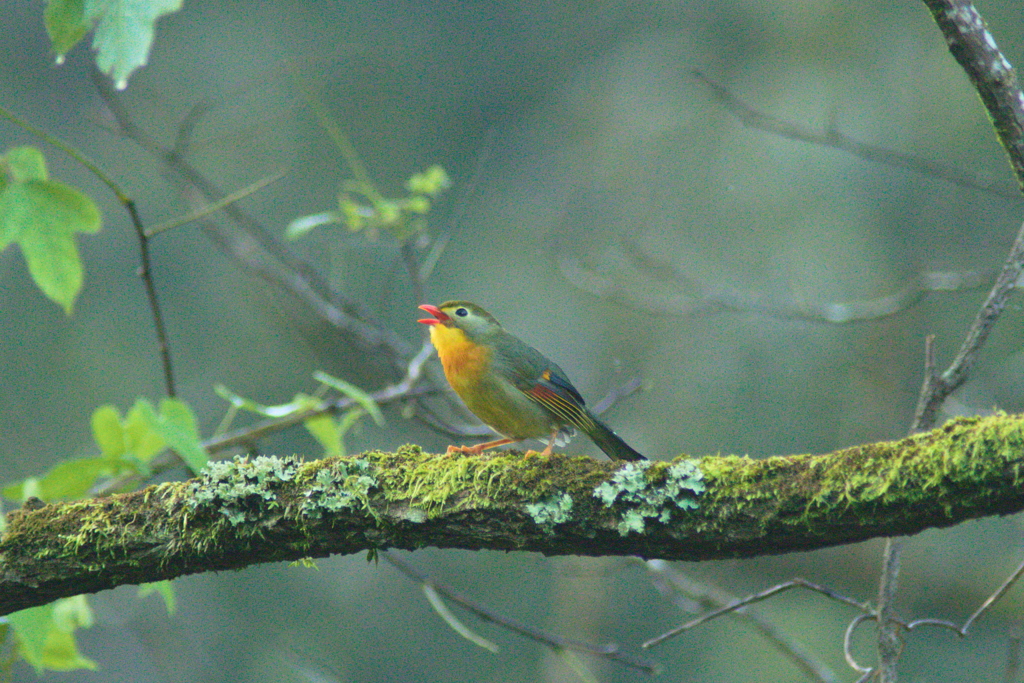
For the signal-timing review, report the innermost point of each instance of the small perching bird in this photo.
(509, 384)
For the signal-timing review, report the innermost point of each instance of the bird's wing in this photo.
(542, 381)
(555, 393)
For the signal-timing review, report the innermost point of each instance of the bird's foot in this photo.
(464, 450)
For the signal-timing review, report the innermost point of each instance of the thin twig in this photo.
(271, 261)
(338, 136)
(673, 583)
(616, 394)
(1011, 673)
(848, 644)
(758, 597)
(146, 275)
(145, 272)
(1006, 585)
(890, 645)
(955, 375)
(436, 601)
(217, 205)
(752, 118)
(608, 651)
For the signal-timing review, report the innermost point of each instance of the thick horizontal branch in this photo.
(266, 509)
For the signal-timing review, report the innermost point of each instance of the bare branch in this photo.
(738, 605)
(1006, 585)
(254, 247)
(146, 275)
(650, 284)
(848, 647)
(937, 389)
(890, 646)
(608, 651)
(975, 49)
(752, 118)
(672, 583)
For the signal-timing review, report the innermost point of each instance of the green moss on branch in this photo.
(271, 509)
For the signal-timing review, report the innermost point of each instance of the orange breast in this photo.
(464, 362)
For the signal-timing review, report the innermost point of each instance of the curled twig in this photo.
(848, 644)
(1006, 585)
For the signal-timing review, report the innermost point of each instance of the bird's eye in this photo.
(461, 312)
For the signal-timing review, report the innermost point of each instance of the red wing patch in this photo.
(562, 407)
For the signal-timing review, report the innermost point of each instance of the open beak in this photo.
(439, 315)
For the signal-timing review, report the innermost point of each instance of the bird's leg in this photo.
(551, 443)
(474, 450)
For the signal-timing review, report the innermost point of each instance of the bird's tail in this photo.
(609, 442)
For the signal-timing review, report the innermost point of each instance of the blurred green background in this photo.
(575, 133)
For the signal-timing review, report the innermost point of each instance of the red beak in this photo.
(439, 315)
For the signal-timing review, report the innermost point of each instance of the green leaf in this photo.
(298, 227)
(166, 591)
(42, 217)
(65, 24)
(352, 214)
(300, 403)
(177, 426)
(325, 430)
(46, 634)
(29, 486)
(140, 438)
(71, 613)
(107, 431)
(353, 392)
(349, 420)
(61, 653)
(124, 33)
(430, 182)
(24, 164)
(182, 433)
(66, 480)
(31, 626)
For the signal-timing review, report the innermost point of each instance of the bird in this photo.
(510, 385)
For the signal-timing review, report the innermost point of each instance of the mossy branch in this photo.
(268, 509)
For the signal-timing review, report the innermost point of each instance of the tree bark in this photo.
(270, 509)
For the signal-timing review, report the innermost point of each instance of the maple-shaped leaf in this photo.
(123, 33)
(42, 216)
